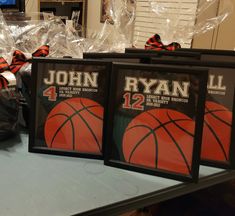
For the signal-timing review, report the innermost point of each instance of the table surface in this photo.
(36, 184)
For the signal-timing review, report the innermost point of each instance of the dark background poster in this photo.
(70, 97)
(155, 115)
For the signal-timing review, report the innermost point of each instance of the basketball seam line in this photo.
(184, 130)
(57, 114)
(182, 154)
(57, 131)
(92, 112)
(97, 142)
(155, 130)
(166, 123)
(62, 125)
(140, 141)
(151, 132)
(215, 110)
(218, 140)
(212, 113)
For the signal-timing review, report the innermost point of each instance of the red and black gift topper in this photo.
(155, 43)
(19, 58)
(4, 66)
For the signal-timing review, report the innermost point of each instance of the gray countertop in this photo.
(36, 184)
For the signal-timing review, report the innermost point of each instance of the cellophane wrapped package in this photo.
(177, 21)
(116, 32)
(37, 35)
(34, 30)
(9, 98)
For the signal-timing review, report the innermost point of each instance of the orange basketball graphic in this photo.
(75, 124)
(160, 138)
(216, 132)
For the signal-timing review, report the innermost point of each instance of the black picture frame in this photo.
(109, 126)
(121, 57)
(140, 57)
(165, 53)
(208, 51)
(212, 55)
(40, 67)
(230, 164)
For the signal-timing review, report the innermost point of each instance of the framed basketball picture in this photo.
(139, 56)
(154, 121)
(69, 98)
(218, 143)
(122, 57)
(166, 54)
(212, 55)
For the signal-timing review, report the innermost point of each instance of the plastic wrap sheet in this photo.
(34, 30)
(36, 35)
(7, 43)
(9, 100)
(179, 20)
(117, 31)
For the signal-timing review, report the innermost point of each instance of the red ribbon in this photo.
(155, 43)
(19, 58)
(4, 66)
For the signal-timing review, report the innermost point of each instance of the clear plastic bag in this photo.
(7, 43)
(117, 31)
(34, 30)
(9, 98)
(36, 35)
(179, 21)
